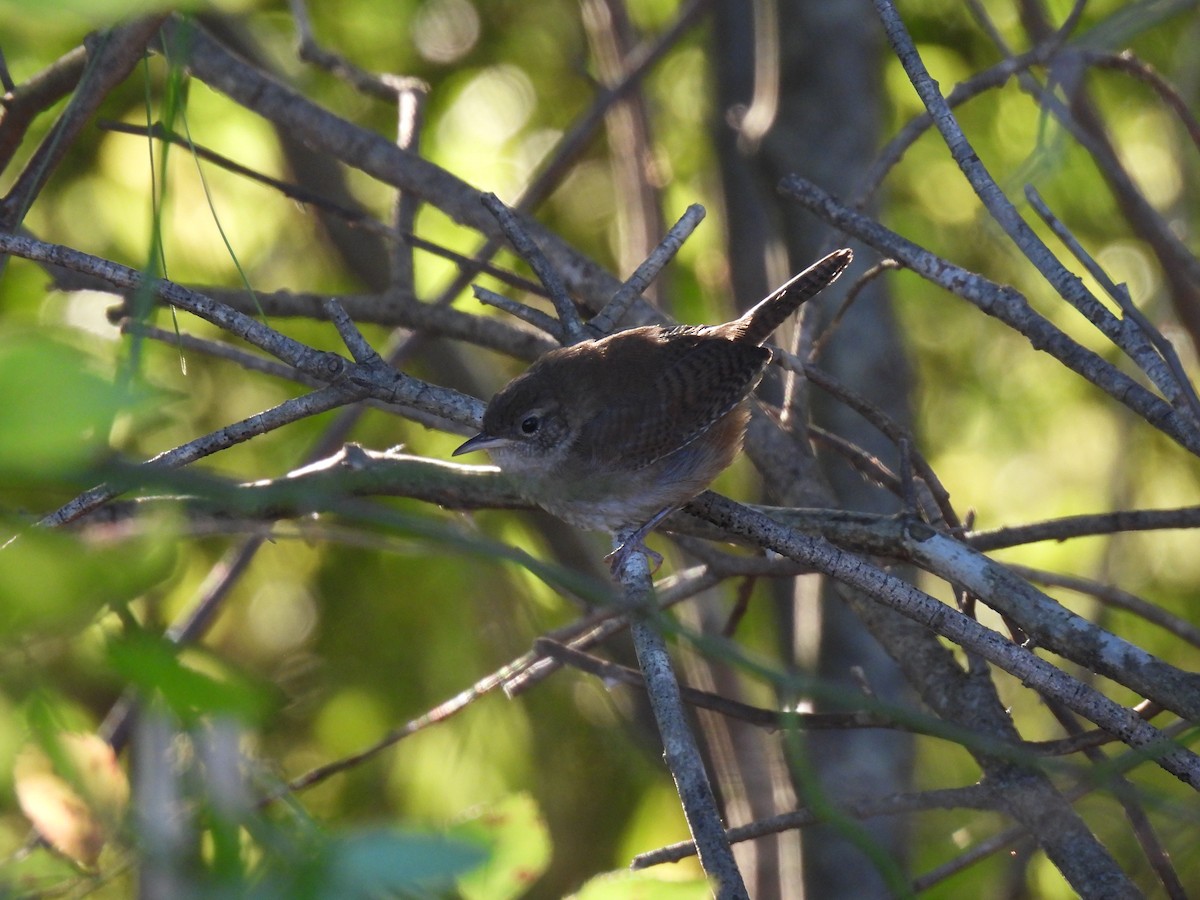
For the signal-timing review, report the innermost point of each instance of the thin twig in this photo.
(605, 623)
(356, 218)
(255, 363)
(967, 633)
(606, 320)
(572, 326)
(1127, 62)
(975, 796)
(437, 714)
(291, 410)
(1012, 836)
(981, 181)
(772, 719)
(506, 676)
(1115, 597)
(385, 87)
(1149, 358)
(1006, 304)
(1085, 526)
(251, 362)
(989, 192)
(893, 151)
(364, 354)
(855, 291)
(893, 430)
(325, 132)
(381, 383)
(612, 673)
(433, 319)
(112, 55)
(862, 461)
(637, 65)
(24, 102)
(1135, 811)
(528, 314)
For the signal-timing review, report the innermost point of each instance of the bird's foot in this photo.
(617, 559)
(635, 542)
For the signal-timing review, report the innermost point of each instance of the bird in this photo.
(618, 432)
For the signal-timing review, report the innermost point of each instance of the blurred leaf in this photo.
(370, 864)
(51, 580)
(642, 886)
(159, 667)
(1127, 21)
(103, 13)
(74, 805)
(515, 833)
(55, 411)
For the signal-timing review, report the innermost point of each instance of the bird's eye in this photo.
(530, 425)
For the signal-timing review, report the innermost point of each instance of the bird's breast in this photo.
(612, 495)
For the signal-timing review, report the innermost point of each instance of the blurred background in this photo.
(337, 635)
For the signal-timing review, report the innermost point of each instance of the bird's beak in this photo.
(481, 441)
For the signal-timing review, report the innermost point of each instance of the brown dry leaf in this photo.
(74, 810)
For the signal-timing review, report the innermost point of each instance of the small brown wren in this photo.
(623, 430)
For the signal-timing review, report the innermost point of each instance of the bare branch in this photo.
(975, 796)
(606, 320)
(679, 745)
(1144, 343)
(111, 57)
(907, 600)
(1084, 525)
(386, 87)
(239, 432)
(527, 314)
(568, 317)
(1005, 304)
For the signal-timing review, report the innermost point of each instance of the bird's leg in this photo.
(635, 543)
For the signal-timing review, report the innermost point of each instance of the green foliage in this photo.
(371, 863)
(98, 14)
(53, 583)
(335, 637)
(519, 848)
(56, 410)
(159, 668)
(642, 886)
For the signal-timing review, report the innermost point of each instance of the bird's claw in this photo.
(617, 559)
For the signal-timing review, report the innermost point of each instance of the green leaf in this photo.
(520, 848)
(53, 581)
(55, 410)
(193, 682)
(366, 864)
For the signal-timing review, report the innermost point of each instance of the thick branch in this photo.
(948, 622)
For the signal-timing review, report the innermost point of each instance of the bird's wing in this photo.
(704, 378)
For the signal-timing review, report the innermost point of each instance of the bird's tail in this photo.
(758, 323)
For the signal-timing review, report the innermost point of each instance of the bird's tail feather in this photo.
(759, 322)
